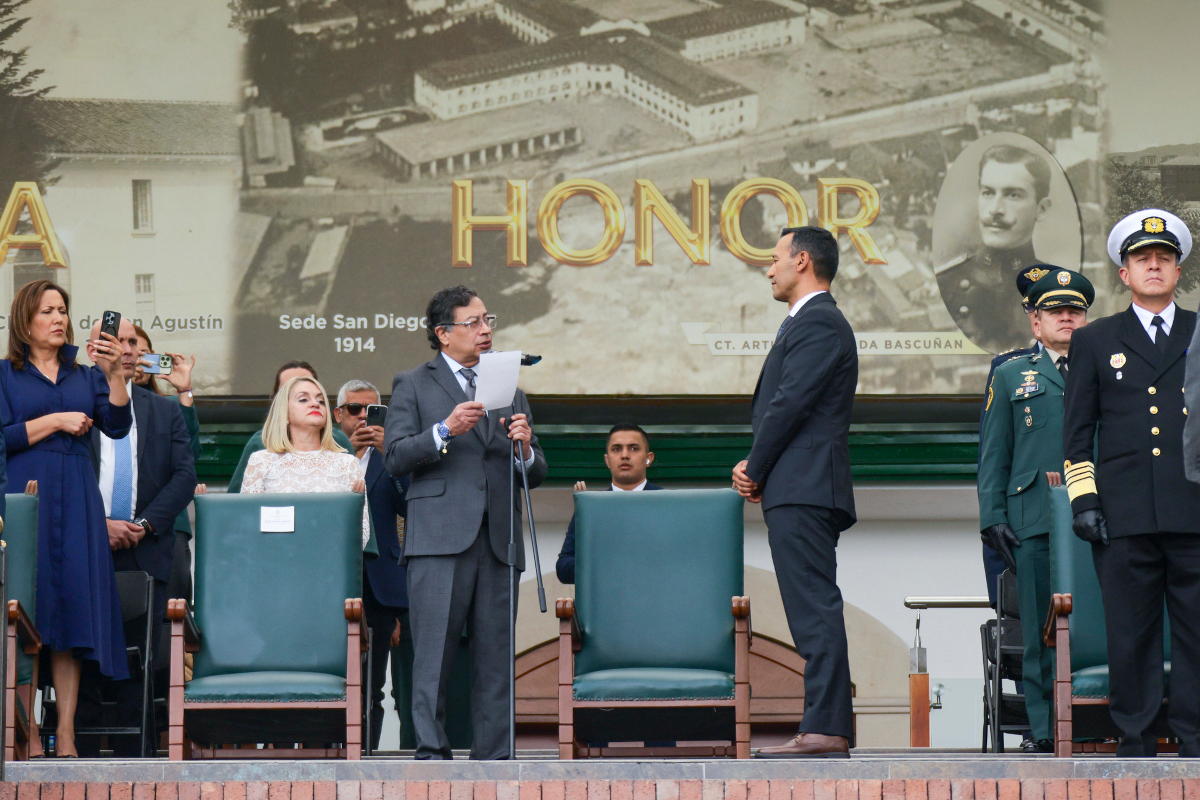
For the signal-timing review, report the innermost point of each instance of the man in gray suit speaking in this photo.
(456, 537)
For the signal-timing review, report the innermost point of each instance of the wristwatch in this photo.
(443, 432)
(146, 526)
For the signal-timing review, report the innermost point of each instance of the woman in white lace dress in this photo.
(300, 454)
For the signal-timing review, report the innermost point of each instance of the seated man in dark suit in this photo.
(385, 597)
(146, 480)
(627, 456)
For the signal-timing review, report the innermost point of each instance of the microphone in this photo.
(528, 360)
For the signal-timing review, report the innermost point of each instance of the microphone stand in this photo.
(518, 456)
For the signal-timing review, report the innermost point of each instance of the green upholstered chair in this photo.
(278, 637)
(655, 646)
(1076, 629)
(22, 641)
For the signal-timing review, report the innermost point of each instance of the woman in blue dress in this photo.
(48, 404)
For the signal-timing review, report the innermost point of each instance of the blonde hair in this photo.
(277, 433)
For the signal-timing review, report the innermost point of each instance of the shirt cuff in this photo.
(528, 461)
(437, 440)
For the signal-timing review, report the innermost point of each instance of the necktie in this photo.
(786, 322)
(1062, 366)
(1160, 335)
(122, 491)
(469, 374)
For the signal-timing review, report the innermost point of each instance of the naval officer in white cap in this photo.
(1125, 407)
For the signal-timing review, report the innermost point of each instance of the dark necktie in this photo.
(1062, 366)
(1160, 336)
(786, 322)
(469, 374)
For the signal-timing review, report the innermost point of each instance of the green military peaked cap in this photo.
(1062, 288)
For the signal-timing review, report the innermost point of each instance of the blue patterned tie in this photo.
(786, 322)
(122, 491)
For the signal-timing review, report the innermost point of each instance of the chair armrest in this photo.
(354, 613)
(564, 609)
(179, 611)
(27, 633)
(1060, 607)
(741, 611)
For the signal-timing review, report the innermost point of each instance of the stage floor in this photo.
(540, 766)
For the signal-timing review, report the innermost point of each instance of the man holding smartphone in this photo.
(385, 598)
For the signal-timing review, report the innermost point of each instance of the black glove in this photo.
(1002, 539)
(1091, 526)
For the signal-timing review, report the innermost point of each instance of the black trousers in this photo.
(804, 549)
(1136, 574)
(381, 620)
(127, 694)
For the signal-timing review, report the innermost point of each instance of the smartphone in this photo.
(376, 415)
(110, 322)
(155, 364)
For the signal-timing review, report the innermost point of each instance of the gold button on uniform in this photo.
(1153, 390)
(1153, 409)
(1154, 431)
(1156, 451)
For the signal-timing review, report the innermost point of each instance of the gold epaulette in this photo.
(1081, 479)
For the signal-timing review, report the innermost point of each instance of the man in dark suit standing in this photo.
(627, 456)
(1125, 407)
(146, 479)
(459, 504)
(799, 469)
(385, 597)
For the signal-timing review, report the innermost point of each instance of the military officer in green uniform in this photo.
(1021, 446)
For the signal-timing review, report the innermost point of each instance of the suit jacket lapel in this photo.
(444, 376)
(374, 469)
(1047, 368)
(1134, 336)
(1177, 342)
(141, 410)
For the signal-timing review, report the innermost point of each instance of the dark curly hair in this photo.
(440, 311)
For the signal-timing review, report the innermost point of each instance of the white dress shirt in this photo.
(799, 304)
(457, 369)
(365, 459)
(107, 455)
(637, 488)
(1146, 317)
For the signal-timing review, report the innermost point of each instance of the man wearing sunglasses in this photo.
(385, 598)
(459, 504)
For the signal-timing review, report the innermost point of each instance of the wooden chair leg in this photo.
(1057, 633)
(356, 642)
(175, 736)
(564, 610)
(741, 676)
(10, 692)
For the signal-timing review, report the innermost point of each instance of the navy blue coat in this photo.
(166, 480)
(566, 557)
(386, 497)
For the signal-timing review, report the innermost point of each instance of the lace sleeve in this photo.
(356, 474)
(255, 479)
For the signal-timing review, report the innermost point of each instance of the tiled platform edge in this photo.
(644, 789)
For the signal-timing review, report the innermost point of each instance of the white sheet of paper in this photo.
(277, 519)
(496, 378)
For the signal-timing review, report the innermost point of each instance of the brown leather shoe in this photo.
(808, 745)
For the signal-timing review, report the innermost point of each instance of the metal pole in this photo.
(512, 610)
(537, 561)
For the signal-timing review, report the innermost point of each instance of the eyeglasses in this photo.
(354, 409)
(473, 323)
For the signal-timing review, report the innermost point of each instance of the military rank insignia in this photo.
(1117, 360)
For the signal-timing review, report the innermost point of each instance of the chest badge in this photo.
(1117, 360)
(1119, 375)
